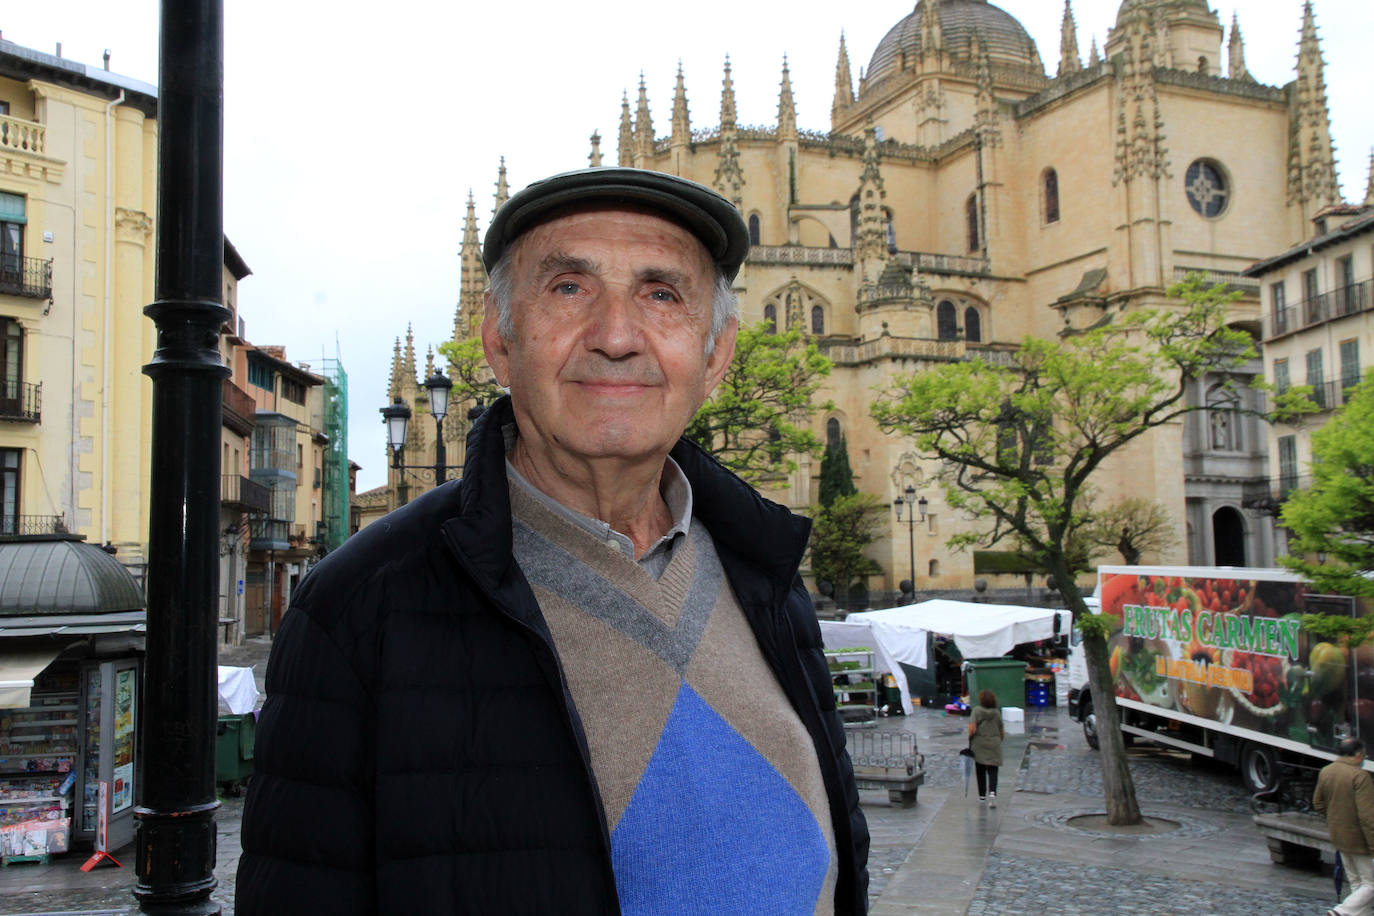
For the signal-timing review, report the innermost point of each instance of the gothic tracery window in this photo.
(946, 321)
(817, 320)
(770, 317)
(971, 213)
(1051, 195)
(973, 325)
(1207, 188)
(754, 233)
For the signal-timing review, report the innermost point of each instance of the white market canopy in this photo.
(978, 630)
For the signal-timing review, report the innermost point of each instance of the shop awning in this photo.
(18, 668)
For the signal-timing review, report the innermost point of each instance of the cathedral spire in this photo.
(393, 388)
(727, 99)
(1068, 44)
(625, 151)
(787, 109)
(408, 360)
(682, 121)
(844, 85)
(985, 102)
(1235, 48)
(594, 157)
(502, 189)
(644, 126)
(1093, 57)
(729, 175)
(429, 362)
(1369, 188)
(472, 277)
(932, 36)
(870, 243)
(1317, 182)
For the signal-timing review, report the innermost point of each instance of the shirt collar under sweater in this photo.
(673, 487)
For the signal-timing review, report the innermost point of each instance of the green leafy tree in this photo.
(1332, 521)
(1019, 445)
(761, 411)
(840, 533)
(473, 382)
(836, 477)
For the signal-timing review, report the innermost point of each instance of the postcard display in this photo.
(39, 750)
(109, 709)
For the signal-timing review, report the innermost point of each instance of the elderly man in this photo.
(1345, 795)
(586, 678)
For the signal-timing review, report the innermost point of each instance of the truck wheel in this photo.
(1259, 767)
(1090, 726)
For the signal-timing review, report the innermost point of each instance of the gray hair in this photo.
(1349, 747)
(500, 283)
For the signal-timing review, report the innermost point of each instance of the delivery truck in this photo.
(1215, 661)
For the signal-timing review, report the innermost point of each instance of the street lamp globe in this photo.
(439, 386)
(396, 416)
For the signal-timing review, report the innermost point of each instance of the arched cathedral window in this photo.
(833, 433)
(973, 325)
(1050, 188)
(817, 320)
(975, 240)
(770, 317)
(946, 321)
(754, 229)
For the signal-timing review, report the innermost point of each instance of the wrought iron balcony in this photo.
(1338, 303)
(28, 277)
(21, 401)
(33, 524)
(238, 409)
(238, 492)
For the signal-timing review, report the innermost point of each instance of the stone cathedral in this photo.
(966, 196)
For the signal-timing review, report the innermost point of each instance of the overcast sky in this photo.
(354, 131)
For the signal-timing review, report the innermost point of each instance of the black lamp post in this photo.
(912, 505)
(397, 418)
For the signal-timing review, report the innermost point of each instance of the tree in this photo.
(1133, 527)
(840, 532)
(1332, 521)
(836, 477)
(1019, 445)
(761, 412)
(472, 378)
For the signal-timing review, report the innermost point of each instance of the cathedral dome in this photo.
(1004, 39)
(1129, 6)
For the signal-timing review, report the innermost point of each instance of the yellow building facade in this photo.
(78, 170)
(964, 198)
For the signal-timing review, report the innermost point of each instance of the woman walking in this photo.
(985, 739)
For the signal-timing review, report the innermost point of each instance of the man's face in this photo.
(612, 312)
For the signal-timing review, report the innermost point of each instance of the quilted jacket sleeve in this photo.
(308, 821)
(808, 633)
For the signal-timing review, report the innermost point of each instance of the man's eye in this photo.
(566, 288)
(663, 295)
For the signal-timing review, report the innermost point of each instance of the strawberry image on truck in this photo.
(1215, 661)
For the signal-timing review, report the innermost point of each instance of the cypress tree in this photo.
(836, 478)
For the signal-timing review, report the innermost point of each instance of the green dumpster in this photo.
(1005, 677)
(234, 750)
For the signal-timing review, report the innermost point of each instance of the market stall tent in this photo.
(902, 634)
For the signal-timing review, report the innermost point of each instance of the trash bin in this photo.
(1005, 677)
(234, 750)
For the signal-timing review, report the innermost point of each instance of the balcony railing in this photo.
(269, 534)
(238, 492)
(33, 524)
(28, 277)
(1330, 395)
(238, 408)
(1338, 303)
(25, 136)
(927, 261)
(21, 401)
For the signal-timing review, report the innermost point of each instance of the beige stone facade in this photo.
(964, 198)
(1318, 327)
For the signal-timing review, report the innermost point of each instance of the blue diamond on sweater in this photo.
(714, 829)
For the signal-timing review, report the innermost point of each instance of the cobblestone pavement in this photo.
(1014, 885)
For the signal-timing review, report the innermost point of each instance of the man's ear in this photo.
(718, 362)
(493, 344)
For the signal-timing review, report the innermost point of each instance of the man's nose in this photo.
(615, 327)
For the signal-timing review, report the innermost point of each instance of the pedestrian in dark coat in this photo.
(986, 734)
(586, 678)
(1345, 794)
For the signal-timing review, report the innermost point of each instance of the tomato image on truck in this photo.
(1215, 661)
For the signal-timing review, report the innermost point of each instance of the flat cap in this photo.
(699, 209)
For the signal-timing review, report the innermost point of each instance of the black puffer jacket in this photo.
(418, 751)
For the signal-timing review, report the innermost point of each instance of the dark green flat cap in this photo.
(699, 209)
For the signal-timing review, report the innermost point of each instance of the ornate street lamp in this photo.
(397, 419)
(911, 505)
